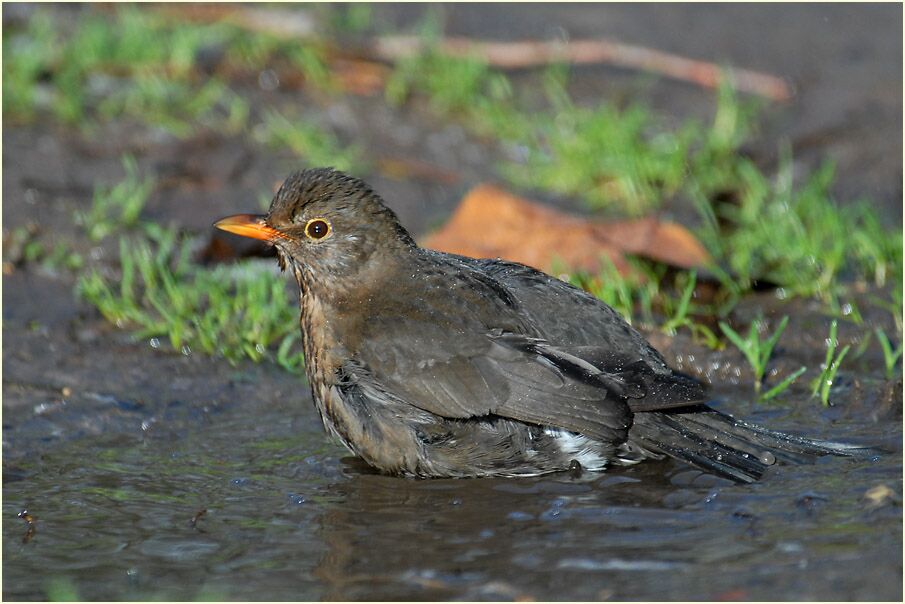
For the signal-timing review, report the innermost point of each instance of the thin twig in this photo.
(520, 55)
(299, 25)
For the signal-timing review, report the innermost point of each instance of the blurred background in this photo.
(729, 178)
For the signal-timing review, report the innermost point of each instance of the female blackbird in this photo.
(434, 365)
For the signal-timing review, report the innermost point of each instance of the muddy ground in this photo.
(164, 475)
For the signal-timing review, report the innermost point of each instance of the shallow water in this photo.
(250, 500)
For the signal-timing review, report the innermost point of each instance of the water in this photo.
(249, 500)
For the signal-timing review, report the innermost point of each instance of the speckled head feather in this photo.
(322, 191)
(360, 226)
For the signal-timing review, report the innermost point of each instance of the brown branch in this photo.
(299, 25)
(519, 55)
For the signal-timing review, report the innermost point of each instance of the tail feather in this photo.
(731, 448)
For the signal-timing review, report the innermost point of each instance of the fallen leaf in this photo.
(493, 223)
(667, 242)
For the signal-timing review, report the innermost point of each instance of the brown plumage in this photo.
(429, 364)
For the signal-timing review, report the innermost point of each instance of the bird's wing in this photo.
(576, 323)
(457, 374)
(568, 316)
(645, 389)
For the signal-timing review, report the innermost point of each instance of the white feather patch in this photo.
(578, 447)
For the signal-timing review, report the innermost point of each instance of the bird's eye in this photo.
(317, 228)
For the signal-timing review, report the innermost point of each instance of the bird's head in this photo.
(326, 225)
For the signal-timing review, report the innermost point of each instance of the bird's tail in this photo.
(726, 446)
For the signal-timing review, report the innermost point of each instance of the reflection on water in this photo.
(252, 505)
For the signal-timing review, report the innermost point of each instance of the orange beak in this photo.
(250, 225)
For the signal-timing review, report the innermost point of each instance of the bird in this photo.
(433, 365)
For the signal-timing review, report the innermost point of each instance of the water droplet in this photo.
(154, 342)
(846, 309)
(259, 349)
(767, 458)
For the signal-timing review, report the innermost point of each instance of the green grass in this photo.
(118, 207)
(624, 159)
(159, 293)
(24, 246)
(822, 384)
(313, 145)
(798, 238)
(678, 310)
(757, 351)
(128, 64)
(351, 17)
(455, 87)
(891, 355)
(631, 296)
(783, 385)
(138, 63)
(26, 56)
(179, 108)
(646, 298)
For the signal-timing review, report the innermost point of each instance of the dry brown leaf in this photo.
(493, 223)
(668, 242)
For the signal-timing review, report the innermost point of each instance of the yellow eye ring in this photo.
(317, 228)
